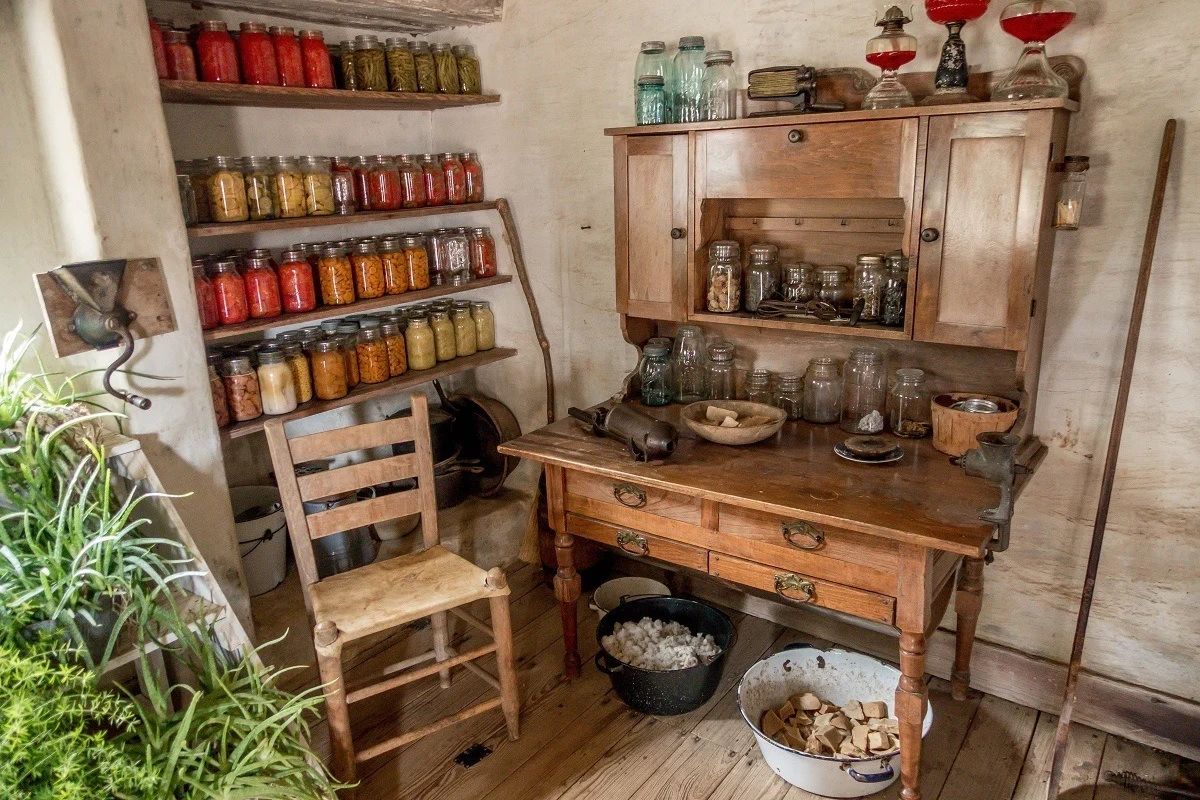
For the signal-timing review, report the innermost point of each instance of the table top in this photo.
(922, 499)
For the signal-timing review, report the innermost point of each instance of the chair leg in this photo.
(328, 641)
(441, 645)
(510, 698)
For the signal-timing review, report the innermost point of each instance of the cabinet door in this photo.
(651, 177)
(981, 221)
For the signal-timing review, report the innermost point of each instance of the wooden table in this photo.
(881, 542)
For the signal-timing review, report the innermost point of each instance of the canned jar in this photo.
(483, 253)
(346, 67)
(288, 55)
(262, 288)
(370, 64)
(654, 371)
(721, 383)
(395, 265)
(443, 335)
(447, 68)
(369, 280)
(318, 186)
(384, 185)
(260, 197)
(206, 297)
(456, 178)
(762, 275)
(790, 395)
(341, 176)
(296, 282)
(373, 364)
(724, 277)
(157, 46)
(217, 53)
(297, 361)
(435, 181)
(361, 167)
(230, 289)
(412, 182)
(910, 412)
(401, 67)
(822, 391)
(799, 283)
(470, 80)
(181, 60)
(328, 370)
(465, 340)
(758, 387)
(318, 65)
(187, 200)
(259, 67)
(417, 258)
(197, 171)
(421, 343)
(895, 291)
(868, 286)
(216, 388)
(288, 180)
(426, 69)
(864, 392)
(275, 382)
(348, 336)
(835, 289)
(337, 277)
(474, 174)
(227, 190)
(485, 325)
(242, 394)
(393, 337)
(650, 102)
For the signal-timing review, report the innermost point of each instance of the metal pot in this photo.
(442, 438)
(481, 425)
(670, 691)
(450, 479)
(342, 552)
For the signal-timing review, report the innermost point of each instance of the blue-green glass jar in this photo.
(651, 101)
(655, 373)
(653, 60)
(687, 80)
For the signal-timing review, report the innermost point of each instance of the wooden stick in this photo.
(407, 738)
(1110, 457)
(514, 244)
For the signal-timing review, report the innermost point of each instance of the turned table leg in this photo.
(567, 587)
(967, 601)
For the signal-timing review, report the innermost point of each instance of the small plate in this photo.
(870, 447)
(889, 458)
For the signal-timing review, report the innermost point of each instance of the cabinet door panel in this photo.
(984, 180)
(651, 189)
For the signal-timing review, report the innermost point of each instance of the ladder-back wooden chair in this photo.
(389, 593)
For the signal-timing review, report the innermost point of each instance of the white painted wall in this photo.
(565, 72)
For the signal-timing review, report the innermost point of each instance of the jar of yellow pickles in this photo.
(288, 182)
(485, 325)
(318, 186)
(226, 186)
(420, 343)
(465, 341)
(297, 362)
(260, 197)
(443, 335)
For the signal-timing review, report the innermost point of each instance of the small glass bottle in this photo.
(895, 290)
(868, 286)
(720, 86)
(909, 411)
(655, 373)
(687, 80)
(724, 277)
(762, 275)
(421, 343)
(1069, 208)
(790, 396)
(822, 391)
(758, 387)
(485, 324)
(864, 392)
(720, 371)
(652, 59)
(650, 102)
(688, 363)
(275, 382)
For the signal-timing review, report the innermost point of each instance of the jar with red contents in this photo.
(206, 296)
(262, 288)
(288, 57)
(362, 180)
(259, 66)
(435, 181)
(412, 182)
(158, 46)
(384, 185)
(456, 178)
(230, 289)
(296, 282)
(217, 53)
(483, 253)
(181, 61)
(318, 65)
(474, 171)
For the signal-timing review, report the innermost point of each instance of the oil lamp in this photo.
(890, 50)
(1033, 22)
(950, 79)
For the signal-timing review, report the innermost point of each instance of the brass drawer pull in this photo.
(629, 495)
(791, 582)
(795, 136)
(627, 538)
(811, 537)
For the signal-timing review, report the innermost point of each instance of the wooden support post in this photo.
(967, 602)
(328, 640)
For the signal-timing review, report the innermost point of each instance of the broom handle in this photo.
(1110, 458)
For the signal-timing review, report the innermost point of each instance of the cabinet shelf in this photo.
(868, 330)
(361, 306)
(240, 94)
(233, 228)
(365, 391)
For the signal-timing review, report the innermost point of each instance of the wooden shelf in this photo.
(232, 228)
(368, 391)
(329, 312)
(868, 330)
(240, 94)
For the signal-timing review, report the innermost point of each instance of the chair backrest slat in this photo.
(351, 438)
(328, 483)
(363, 513)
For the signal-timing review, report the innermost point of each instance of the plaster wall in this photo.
(565, 71)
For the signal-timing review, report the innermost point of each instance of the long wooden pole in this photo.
(1110, 458)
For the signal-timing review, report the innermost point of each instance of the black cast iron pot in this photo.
(669, 692)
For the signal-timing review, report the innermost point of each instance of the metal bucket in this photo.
(262, 536)
(342, 552)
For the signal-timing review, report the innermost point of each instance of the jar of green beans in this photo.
(370, 64)
(447, 68)
(401, 67)
(469, 79)
(426, 69)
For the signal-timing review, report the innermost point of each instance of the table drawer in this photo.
(804, 589)
(838, 159)
(637, 543)
(596, 492)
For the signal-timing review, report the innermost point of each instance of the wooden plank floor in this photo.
(579, 741)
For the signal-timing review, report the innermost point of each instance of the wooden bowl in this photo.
(695, 414)
(954, 431)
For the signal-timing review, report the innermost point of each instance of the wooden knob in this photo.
(930, 235)
(496, 579)
(325, 634)
(795, 136)
(678, 233)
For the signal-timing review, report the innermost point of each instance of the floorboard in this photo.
(1081, 767)
(988, 765)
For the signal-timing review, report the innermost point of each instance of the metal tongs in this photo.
(818, 309)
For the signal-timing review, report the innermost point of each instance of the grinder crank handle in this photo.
(126, 353)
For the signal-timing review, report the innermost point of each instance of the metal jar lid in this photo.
(873, 259)
(724, 249)
(718, 57)
(976, 405)
(653, 47)
(656, 349)
(690, 42)
(721, 352)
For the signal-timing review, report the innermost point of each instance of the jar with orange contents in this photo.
(232, 305)
(384, 185)
(296, 282)
(474, 173)
(483, 253)
(242, 394)
(393, 337)
(412, 182)
(262, 288)
(417, 260)
(206, 296)
(373, 366)
(328, 369)
(456, 178)
(337, 277)
(395, 266)
(435, 181)
(368, 271)
(216, 387)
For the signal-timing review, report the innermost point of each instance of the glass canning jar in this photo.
(370, 64)
(297, 361)
(758, 387)
(262, 288)
(426, 69)
(393, 337)
(470, 79)
(216, 388)
(360, 166)
(457, 251)
(187, 198)
(485, 324)
(688, 363)
(421, 343)
(230, 289)
(762, 275)
(206, 296)
(318, 64)
(369, 281)
(864, 391)
(724, 277)
(721, 383)
(443, 335)
(401, 68)
(650, 101)
(181, 61)
(257, 53)
(655, 373)
(373, 364)
(344, 64)
(197, 171)
(288, 56)
(275, 382)
(446, 66)
(868, 286)
(158, 46)
(318, 186)
(416, 256)
(217, 53)
(687, 80)
(242, 394)
(412, 182)
(652, 59)
(1068, 209)
(296, 282)
(260, 200)
(465, 341)
(483, 253)
(720, 86)
(895, 290)
(799, 283)
(474, 173)
(341, 176)
(227, 190)
(790, 396)
(328, 369)
(395, 266)
(337, 277)
(909, 412)
(435, 181)
(456, 178)
(289, 188)
(822, 391)
(347, 335)
(383, 184)
(835, 289)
